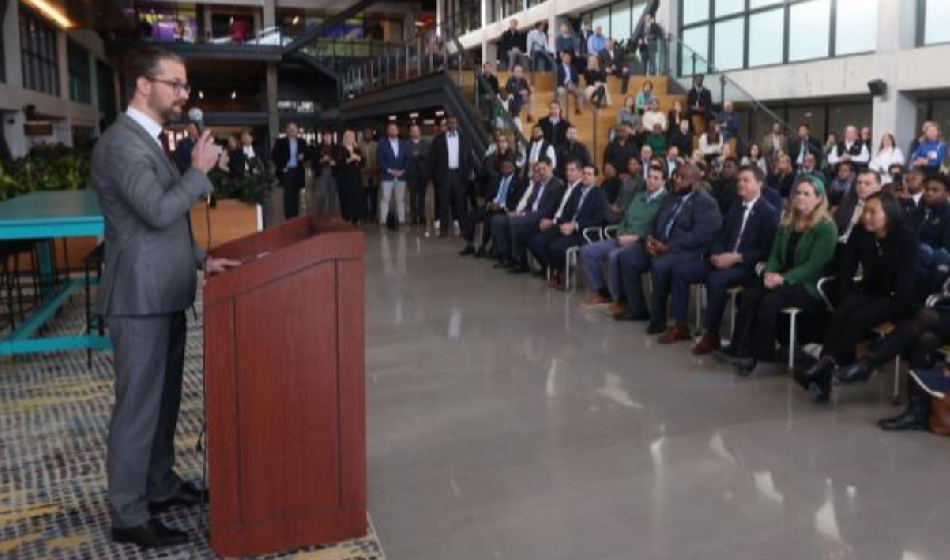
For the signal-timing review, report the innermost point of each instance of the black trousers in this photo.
(453, 201)
(923, 334)
(480, 215)
(760, 313)
(853, 318)
(372, 198)
(417, 196)
(292, 181)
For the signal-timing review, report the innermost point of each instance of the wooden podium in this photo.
(283, 343)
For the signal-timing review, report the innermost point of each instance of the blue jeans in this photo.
(591, 257)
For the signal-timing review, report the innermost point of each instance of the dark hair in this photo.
(544, 159)
(872, 173)
(936, 177)
(591, 166)
(891, 206)
(733, 159)
(756, 172)
(661, 169)
(575, 162)
(143, 63)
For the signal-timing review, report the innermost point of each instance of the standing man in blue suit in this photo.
(683, 230)
(392, 157)
(745, 241)
(289, 155)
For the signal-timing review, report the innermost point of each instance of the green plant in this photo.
(47, 168)
(252, 188)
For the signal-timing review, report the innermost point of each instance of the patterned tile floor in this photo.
(54, 414)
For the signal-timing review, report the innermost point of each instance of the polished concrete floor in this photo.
(505, 422)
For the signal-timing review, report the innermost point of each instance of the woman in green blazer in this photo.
(803, 247)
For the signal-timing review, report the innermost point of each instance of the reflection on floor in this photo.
(505, 422)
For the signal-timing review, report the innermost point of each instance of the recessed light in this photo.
(233, 95)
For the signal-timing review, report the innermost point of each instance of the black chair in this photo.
(13, 281)
(93, 261)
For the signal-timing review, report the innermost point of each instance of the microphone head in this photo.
(197, 116)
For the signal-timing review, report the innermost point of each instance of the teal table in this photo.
(49, 216)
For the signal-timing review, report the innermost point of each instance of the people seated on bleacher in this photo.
(930, 152)
(653, 117)
(506, 105)
(852, 149)
(631, 183)
(596, 42)
(802, 145)
(595, 85)
(710, 143)
(803, 247)
(672, 158)
(842, 184)
(611, 183)
(520, 92)
(568, 83)
(566, 42)
(632, 230)
(554, 125)
(725, 186)
(646, 156)
(611, 60)
(572, 148)
(682, 230)
(682, 138)
(774, 142)
(895, 174)
(540, 147)
(884, 251)
(675, 116)
(867, 139)
(809, 165)
(848, 214)
(501, 196)
(537, 46)
(757, 158)
(587, 210)
(729, 123)
(510, 231)
(628, 115)
(699, 103)
(645, 97)
(620, 149)
(933, 229)
(744, 241)
(912, 196)
(887, 154)
(922, 335)
(656, 139)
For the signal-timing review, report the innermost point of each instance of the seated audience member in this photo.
(774, 143)
(510, 231)
(676, 116)
(933, 230)
(672, 159)
(567, 83)
(886, 252)
(867, 138)
(809, 166)
(546, 229)
(848, 214)
(888, 154)
(831, 146)
(682, 230)
(611, 62)
(725, 188)
(730, 123)
(512, 47)
(803, 145)
(588, 212)
(895, 177)
(851, 149)
(620, 149)
(628, 114)
(682, 138)
(931, 151)
(912, 197)
(502, 196)
(540, 147)
(803, 247)
(653, 117)
(571, 149)
(756, 158)
(631, 183)
(745, 240)
(595, 79)
(632, 230)
(710, 143)
(612, 183)
(517, 86)
(646, 156)
(645, 98)
(922, 335)
(554, 126)
(842, 184)
(657, 140)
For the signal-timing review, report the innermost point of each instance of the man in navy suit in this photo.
(392, 158)
(289, 155)
(548, 229)
(567, 83)
(589, 211)
(682, 231)
(745, 241)
(539, 203)
(501, 197)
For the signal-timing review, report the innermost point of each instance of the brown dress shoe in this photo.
(595, 300)
(676, 333)
(709, 343)
(617, 308)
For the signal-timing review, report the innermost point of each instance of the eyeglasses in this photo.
(176, 86)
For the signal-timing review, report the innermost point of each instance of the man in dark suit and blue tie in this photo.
(567, 83)
(683, 230)
(501, 197)
(548, 229)
(745, 240)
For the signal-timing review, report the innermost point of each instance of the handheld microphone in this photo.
(197, 117)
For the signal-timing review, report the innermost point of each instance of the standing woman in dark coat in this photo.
(326, 200)
(349, 165)
(886, 252)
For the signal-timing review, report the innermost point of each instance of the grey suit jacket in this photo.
(151, 258)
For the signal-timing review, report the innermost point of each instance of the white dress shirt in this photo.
(452, 141)
(151, 127)
(885, 159)
(746, 212)
(395, 146)
(567, 196)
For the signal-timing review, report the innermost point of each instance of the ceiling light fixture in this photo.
(201, 95)
(52, 12)
(233, 95)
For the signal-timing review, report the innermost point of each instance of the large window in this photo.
(619, 19)
(935, 18)
(751, 33)
(38, 50)
(80, 75)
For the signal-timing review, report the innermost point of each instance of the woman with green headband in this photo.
(803, 247)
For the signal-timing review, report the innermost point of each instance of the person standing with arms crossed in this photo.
(149, 281)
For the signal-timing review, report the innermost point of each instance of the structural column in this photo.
(896, 110)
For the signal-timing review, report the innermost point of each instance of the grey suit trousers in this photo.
(149, 364)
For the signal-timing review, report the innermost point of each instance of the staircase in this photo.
(593, 128)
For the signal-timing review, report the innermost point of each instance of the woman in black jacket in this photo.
(886, 252)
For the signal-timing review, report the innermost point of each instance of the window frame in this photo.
(82, 76)
(39, 68)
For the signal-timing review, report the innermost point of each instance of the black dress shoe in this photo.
(858, 372)
(152, 534)
(630, 316)
(823, 368)
(188, 495)
(656, 328)
(502, 263)
(480, 253)
(468, 250)
(914, 417)
(519, 269)
(745, 367)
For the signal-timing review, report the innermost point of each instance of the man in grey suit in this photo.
(149, 280)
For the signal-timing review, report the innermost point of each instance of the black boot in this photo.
(915, 416)
(858, 372)
(819, 369)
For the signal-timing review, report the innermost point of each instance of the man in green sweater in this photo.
(632, 229)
